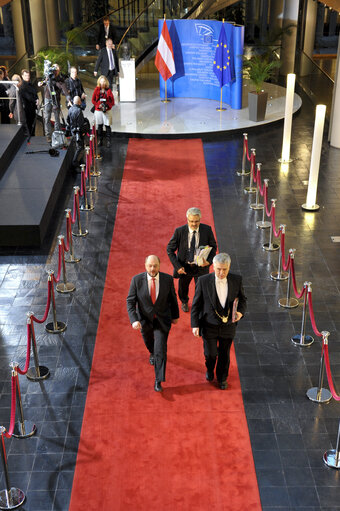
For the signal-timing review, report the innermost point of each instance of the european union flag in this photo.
(224, 63)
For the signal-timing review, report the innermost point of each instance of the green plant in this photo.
(55, 56)
(259, 68)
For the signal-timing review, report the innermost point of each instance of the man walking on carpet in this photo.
(152, 307)
(219, 303)
(182, 249)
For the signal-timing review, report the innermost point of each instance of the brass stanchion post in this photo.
(86, 206)
(72, 258)
(243, 171)
(319, 394)
(264, 224)
(288, 302)
(65, 286)
(302, 339)
(22, 428)
(10, 498)
(91, 188)
(251, 188)
(80, 231)
(279, 274)
(55, 327)
(38, 372)
(270, 246)
(257, 205)
(97, 155)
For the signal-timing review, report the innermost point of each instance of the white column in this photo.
(18, 28)
(290, 17)
(52, 22)
(309, 39)
(38, 22)
(334, 124)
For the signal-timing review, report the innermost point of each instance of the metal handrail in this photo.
(316, 65)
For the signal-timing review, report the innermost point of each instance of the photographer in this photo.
(103, 101)
(54, 84)
(76, 126)
(30, 100)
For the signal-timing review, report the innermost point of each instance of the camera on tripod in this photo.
(49, 71)
(103, 105)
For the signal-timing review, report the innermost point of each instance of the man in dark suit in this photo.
(182, 249)
(215, 314)
(152, 307)
(106, 31)
(107, 61)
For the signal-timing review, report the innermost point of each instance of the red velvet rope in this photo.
(297, 294)
(28, 351)
(57, 278)
(329, 373)
(74, 212)
(65, 249)
(311, 314)
(285, 265)
(247, 150)
(9, 433)
(276, 232)
(82, 179)
(268, 213)
(49, 283)
(68, 233)
(87, 165)
(252, 166)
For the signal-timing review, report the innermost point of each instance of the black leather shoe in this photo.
(185, 307)
(152, 360)
(209, 376)
(158, 387)
(223, 385)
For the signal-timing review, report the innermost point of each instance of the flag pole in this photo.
(165, 100)
(220, 108)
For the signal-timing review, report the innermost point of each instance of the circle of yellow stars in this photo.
(224, 67)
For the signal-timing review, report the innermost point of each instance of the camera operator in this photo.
(75, 87)
(76, 127)
(54, 84)
(30, 100)
(103, 101)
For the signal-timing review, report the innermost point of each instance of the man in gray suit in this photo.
(107, 61)
(219, 303)
(152, 307)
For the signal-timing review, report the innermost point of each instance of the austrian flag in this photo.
(164, 60)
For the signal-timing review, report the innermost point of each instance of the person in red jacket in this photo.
(103, 101)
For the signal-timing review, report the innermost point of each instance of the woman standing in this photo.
(103, 101)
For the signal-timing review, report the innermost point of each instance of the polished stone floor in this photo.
(289, 433)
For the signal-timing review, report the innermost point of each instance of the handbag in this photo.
(93, 109)
(58, 140)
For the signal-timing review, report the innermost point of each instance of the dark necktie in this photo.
(153, 290)
(192, 247)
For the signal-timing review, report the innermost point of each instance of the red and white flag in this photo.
(164, 60)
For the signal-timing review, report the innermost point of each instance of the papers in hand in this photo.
(234, 315)
(202, 254)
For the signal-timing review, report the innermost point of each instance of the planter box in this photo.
(257, 104)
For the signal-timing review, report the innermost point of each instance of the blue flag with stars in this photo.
(224, 63)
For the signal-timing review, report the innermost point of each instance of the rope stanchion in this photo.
(65, 286)
(10, 497)
(251, 188)
(270, 246)
(97, 155)
(86, 206)
(80, 232)
(297, 294)
(55, 327)
(23, 428)
(264, 224)
(95, 171)
(43, 319)
(288, 302)
(257, 205)
(332, 457)
(329, 373)
(279, 274)
(245, 155)
(285, 264)
(13, 406)
(72, 258)
(319, 394)
(89, 174)
(302, 340)
(311, 314)
(37, 372)
(28, 353)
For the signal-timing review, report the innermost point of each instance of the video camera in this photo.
(49, 71)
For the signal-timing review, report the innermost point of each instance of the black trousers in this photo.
(110, 76)
(192, 272)
(217, 342)
(156, 341)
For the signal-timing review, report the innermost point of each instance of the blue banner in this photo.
(194, 43)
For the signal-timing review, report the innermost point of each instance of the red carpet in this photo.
(187, 448)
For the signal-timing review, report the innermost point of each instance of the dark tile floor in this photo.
(289, 433)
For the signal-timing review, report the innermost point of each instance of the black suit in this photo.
(104, 64)
(213, 329)
(102, 37)
(178, 249)
(155, 318)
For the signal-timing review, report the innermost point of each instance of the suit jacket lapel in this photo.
(145, 291)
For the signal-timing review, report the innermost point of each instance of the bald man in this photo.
(152, 307)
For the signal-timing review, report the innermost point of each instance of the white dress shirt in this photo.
(197, 237)
(222, 290)
(156, 284)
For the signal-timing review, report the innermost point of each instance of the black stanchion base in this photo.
(24, 429)
(67, 287)
(332, 458)
(305, 342)
(12, 499)
(61, 327)
(319, 395)
(44, 373)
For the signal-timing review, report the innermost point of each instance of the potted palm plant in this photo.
(259, 68)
